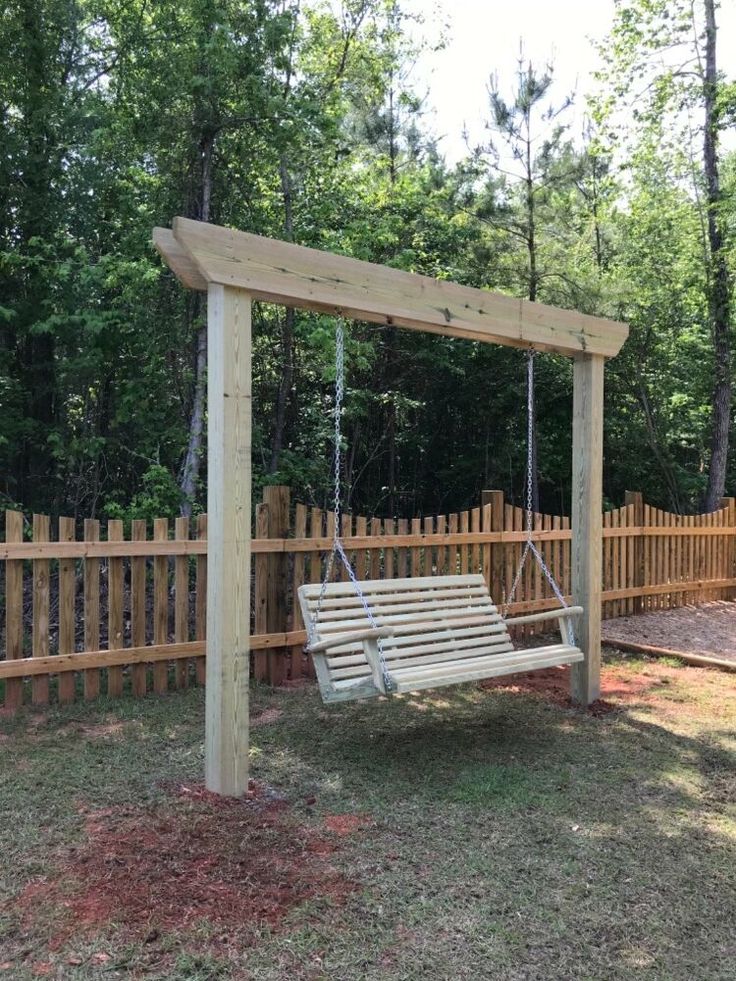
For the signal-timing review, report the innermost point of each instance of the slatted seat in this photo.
(434, 631)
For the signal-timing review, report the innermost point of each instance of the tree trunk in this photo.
(719, 286)
(283, 395)
(193, 458)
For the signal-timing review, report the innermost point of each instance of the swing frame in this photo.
(235, 268)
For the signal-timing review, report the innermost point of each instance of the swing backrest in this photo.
(436, 620)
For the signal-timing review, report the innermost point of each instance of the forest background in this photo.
(300, 121)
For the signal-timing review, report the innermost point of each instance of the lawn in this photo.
(473, 833)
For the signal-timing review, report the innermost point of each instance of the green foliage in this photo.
(303, 124)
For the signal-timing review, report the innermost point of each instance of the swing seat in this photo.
(434, 631)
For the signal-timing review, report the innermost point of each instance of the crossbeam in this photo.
(201, 254)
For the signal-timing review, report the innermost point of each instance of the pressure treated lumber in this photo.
(697, 660)
(229, 533)
(434, 631)
(295, 276)
(587, 491)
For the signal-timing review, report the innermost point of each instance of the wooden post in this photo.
(229, 535)
(587, 503)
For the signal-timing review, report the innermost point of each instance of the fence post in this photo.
(636, 499)
(277, 499)
(493, 567)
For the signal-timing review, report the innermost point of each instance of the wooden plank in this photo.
(402, 554)
(346, 532)
(13, 609)
(388, 552)
(476, 526)
(160, 605)
(260, 613)
(181, 602)
(81, 550)
(200, 603)
(229, 507)
(361, 556)
(138, 613)
(464, 552)
(41, 601)
(296, 656)
(277, 497)
(67, 609)
(587, 499)
(430, 559)
(91, 608)
(296, 276)
(697, 660)
(375, 554)
(115, 639)
(178, 260)
(616, 561)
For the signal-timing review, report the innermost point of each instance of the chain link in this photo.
(337, 549)
(529, 545)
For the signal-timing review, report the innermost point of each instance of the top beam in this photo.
(295, 276)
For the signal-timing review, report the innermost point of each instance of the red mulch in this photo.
(553, 685)
(239, 864)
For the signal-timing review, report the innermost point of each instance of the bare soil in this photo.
(706, 629)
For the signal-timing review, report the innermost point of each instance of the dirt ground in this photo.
(706, 629)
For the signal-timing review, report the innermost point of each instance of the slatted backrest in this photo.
(436, 619)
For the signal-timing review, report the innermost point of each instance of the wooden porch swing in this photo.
(385, 637)
(236, 268)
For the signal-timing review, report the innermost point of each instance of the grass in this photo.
(464, 834)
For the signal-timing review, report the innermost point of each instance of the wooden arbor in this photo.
(236, 268)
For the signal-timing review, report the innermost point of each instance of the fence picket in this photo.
(160, 605)
(115, 609)
(138, 617)
(13, 609)
(91, 608)
(181, 602)
(67, 610)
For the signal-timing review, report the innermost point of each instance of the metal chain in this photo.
(529, 545)
(337, 546)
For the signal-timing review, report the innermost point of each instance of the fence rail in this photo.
(110, 613)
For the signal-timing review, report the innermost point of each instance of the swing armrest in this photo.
(562, 614)
(358, 636)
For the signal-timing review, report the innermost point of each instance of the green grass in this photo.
(501, 836)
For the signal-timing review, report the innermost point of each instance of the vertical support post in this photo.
(587, 503)
(229, 535)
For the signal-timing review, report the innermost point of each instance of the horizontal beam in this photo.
(60, 663)
(295, 276)
(141, 549)
(697, 660)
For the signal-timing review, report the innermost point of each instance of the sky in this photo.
(483, 37)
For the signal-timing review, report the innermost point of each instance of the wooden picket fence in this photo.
(106, 613)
